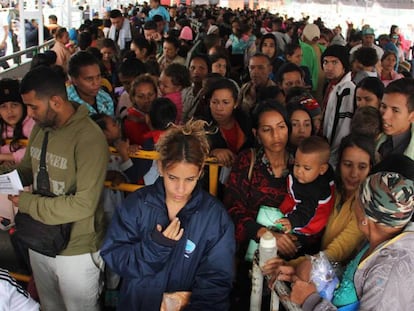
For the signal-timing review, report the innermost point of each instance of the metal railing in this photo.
(148, 155)
(19, 58)
(213, 167)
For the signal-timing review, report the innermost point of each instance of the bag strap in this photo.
(42, 180)
(252, 161)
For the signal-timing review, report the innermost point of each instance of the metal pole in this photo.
(41, 24)
(22, 32)
(279, 293)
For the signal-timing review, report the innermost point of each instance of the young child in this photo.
(310, 194)
(172, 81)
(364, 61)
(242, 43)
(14, 125)
(116, 173)
(118, 163)
(142, 92)
(162, 114)
(128, 70)
(367, 121)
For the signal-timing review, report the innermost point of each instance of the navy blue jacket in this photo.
(200, 262)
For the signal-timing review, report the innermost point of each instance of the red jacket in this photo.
(135, 126)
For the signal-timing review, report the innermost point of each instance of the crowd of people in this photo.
(302, 118)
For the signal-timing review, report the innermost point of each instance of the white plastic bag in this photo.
(323, 275)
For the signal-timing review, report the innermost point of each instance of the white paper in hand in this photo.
(10, 183)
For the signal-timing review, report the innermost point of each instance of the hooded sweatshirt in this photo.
(76, 160)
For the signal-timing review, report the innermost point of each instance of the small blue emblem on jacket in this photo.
(189, 248)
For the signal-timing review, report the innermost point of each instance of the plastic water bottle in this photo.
(267, 248)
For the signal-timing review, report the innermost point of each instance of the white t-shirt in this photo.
(13, 297)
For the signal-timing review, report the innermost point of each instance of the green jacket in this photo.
(309, 60)
(76, 158)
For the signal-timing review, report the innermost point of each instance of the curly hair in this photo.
(184, 143)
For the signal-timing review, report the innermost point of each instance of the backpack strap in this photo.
(252, 161)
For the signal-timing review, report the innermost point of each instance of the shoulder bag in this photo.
(45, 239)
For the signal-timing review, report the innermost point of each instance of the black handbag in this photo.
(45, 239)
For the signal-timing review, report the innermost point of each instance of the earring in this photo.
(364, 222)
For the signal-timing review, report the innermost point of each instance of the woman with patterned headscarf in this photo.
(380, 277)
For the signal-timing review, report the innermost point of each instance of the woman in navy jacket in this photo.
(173, 237)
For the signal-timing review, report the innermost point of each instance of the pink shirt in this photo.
(7, 209)
(176, 98)
(394, 76)
(28, 124)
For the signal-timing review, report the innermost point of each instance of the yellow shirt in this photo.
(342, 236)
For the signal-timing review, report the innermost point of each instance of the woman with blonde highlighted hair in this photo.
(172, 241)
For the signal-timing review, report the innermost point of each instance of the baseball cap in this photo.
(368, 31)
(311, 31)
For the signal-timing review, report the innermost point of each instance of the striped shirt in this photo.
(12, 295)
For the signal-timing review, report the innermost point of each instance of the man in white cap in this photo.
(312, 52)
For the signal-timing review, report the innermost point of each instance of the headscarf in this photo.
(388, 198)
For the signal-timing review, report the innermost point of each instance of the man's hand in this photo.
(224, 156)
(303, 270)
(173, 231)
(272, 265)
(286, 244)
(301, 290)
(350, 24)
